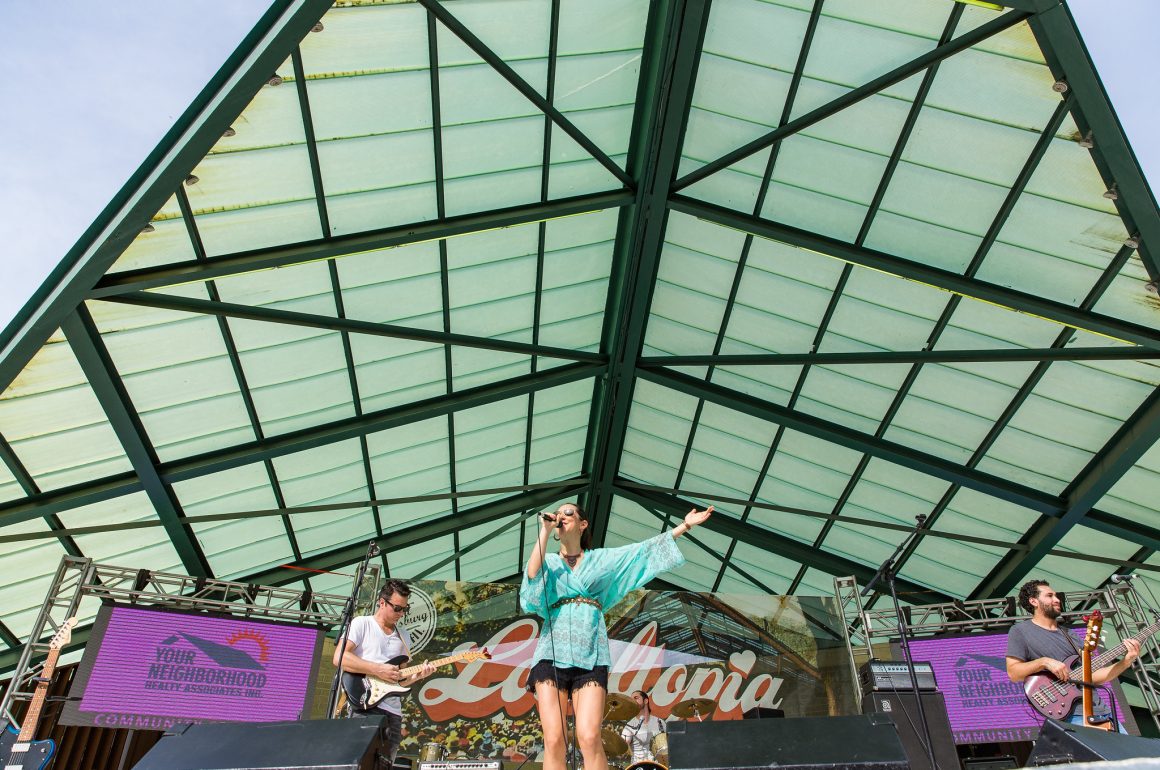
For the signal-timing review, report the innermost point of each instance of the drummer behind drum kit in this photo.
(619, 709)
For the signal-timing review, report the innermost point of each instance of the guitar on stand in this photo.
(17, 749)
(1055, 698)
(1095, 624)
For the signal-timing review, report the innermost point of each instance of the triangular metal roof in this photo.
(829, 265)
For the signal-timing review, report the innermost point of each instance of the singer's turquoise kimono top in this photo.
(574, 634)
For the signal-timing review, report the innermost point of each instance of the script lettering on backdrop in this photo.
(485, 688)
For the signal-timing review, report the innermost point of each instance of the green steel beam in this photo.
(327, 248)
(946, 280)
(787, 548)
(372, 422)
(339, 323)
(85, 341)
(294, 510)
(993, 355)
(414, 535)
(676, 32)
(505, 71)
(79, 495)
(884, 180)
(1116, 526)
(68, 498)
(895, 76)
(1068, 58)
(1135, 437)
(232, 354)
(743, 260)
(164, 169)
(10, 639)
(856, 440)
(30, 488)
(998, 222)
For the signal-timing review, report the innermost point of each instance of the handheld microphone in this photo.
(552, 518)
(1123, 578)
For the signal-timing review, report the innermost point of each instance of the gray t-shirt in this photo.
(1028, 641)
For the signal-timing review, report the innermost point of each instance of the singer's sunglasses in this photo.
(570, 512)
(403, 608)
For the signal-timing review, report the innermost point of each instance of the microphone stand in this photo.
(344, 624)
(886, 572)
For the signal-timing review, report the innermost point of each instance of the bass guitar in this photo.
(1054, 698)
(365, 691)
(17, 749)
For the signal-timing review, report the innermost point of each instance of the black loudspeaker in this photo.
(840, 743)
(1060, 742)
(334, 744)
(903, 708)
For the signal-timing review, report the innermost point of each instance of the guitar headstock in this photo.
(480, 654)
(1095, 625)
(63, 634)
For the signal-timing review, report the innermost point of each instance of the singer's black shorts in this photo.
(567, 678)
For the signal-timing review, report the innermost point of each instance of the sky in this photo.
(89, 88)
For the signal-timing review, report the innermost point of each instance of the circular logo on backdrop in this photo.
(420, 619)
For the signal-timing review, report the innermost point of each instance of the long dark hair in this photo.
(586, 535)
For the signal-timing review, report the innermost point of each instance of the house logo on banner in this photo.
(420, 620)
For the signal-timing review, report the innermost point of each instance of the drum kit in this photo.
(619, 709)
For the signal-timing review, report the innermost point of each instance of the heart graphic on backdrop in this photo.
(742, 662)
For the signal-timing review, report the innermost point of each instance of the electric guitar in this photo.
(1091, 638)
(365, 691)
(1054, 698)
(17, 749)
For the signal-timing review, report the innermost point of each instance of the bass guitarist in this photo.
(372, 641)
(1041, 645)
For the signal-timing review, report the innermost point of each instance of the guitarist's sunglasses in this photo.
(403, 608)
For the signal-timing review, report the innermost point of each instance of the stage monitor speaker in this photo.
(1004, 762)
(1060, 742)
(903, 708)
(836, 743)
(334, 744)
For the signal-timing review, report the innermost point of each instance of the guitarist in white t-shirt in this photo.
(372, 641)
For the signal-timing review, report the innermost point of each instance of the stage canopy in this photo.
(413, 270)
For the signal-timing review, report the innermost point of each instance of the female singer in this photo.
(571, 590)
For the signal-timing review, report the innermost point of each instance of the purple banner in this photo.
(150, 668)
(983, 705)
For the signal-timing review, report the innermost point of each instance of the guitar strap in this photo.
(1070, 639)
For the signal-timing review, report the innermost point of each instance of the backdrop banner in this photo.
(741, 652)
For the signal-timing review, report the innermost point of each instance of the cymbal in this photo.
(693, 707)
(614, 745)
(619, 708)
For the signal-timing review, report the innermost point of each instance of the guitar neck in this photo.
(1110, 656)
(32, 716)
(406, 672)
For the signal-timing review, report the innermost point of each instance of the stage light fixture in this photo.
(1112, 193)
(1152, 288)
(317, 27)
(1059, 86)
(1132, 241)
(148, 228)
(229, 132)
(275, 80)
(1087, 141)
(191, 180)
